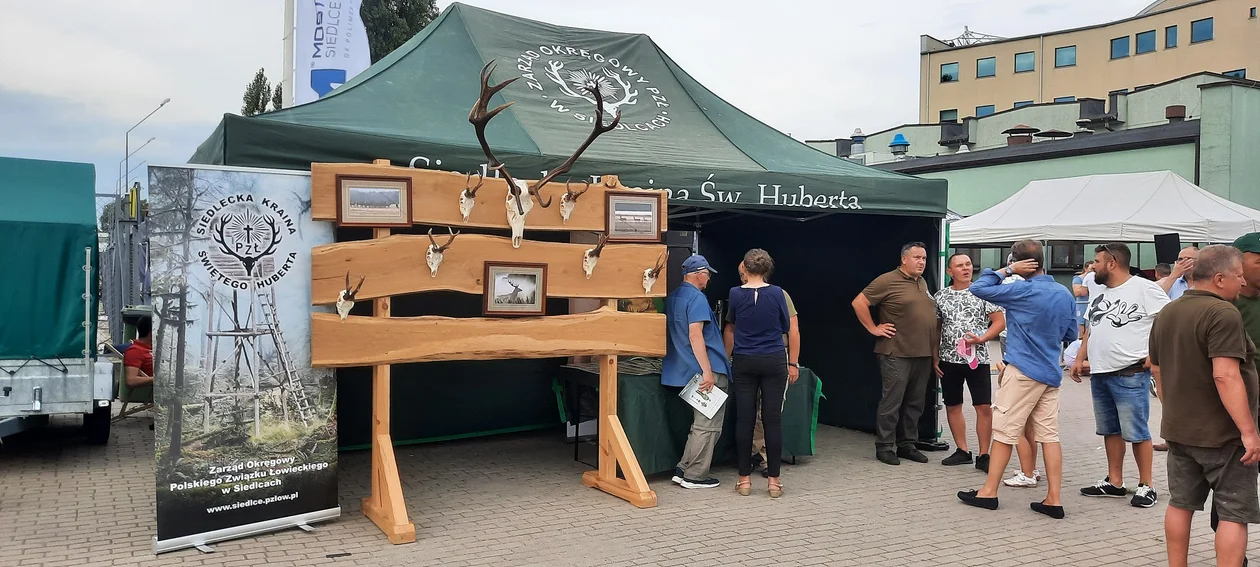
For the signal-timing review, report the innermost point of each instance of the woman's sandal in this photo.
(776, 489)
(744, 487)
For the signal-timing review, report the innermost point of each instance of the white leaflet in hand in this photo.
(706, 403)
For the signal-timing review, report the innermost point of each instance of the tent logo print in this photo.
(570, 71)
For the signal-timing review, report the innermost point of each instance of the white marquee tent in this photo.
(1125, 207)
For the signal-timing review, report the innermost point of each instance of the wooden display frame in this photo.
(405, 203)
(488, 291)
(382, 340)
(611, 196)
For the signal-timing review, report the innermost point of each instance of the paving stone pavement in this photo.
(517, 500)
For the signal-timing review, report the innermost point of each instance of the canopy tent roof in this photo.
(1125, 207)
(412, 108)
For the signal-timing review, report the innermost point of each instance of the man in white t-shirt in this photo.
(1119, 321)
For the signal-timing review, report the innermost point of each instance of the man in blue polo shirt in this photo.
(1040, 319)
(694, 346)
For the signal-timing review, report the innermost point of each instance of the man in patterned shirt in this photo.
(963, 317)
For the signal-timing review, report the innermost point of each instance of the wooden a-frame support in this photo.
(614, 447)
(385, 505)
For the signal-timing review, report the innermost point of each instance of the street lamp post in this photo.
(115, 241)
(127, 136)
(121, 176)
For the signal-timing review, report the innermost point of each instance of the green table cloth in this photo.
(656, 420)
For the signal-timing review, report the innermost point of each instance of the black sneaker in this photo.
(678, 475)
(960, 457)
(969, 497)
(1055, 512)
(1104, 489)
(912, 453)
(706, 483)
(1145, 497)
(982, 463)
(887, 456)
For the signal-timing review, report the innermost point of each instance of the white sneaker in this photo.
(1037, 474)
(1021, 481)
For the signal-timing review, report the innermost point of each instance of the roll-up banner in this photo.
(246, 430)
(330, 46)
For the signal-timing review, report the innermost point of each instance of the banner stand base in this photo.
(201, 541)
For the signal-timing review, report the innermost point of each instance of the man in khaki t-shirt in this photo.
(905, 339)
(1205, 375)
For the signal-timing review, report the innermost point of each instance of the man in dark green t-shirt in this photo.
(1248, 302)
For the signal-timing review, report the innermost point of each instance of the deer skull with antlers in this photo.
(568, 201)
(592, 256)
(434, 254)
(650, 274)
(479, 116)
(345, 300)
(468, 197)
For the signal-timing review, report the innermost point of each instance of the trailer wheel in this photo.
(96, 425)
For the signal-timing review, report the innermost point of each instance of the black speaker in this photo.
(680, 244)
(1167, 246)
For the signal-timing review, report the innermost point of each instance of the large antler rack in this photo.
(480, 116)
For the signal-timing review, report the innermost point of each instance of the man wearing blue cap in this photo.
(694, 346)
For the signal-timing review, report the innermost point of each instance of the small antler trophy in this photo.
(650, 274)
(517, 209)
(591, 257)
(468, 197)
(345, 301)
(434, 254)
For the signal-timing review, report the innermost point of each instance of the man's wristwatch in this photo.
(795, 364)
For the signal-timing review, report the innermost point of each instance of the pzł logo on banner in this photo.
(244, 242)
(563, 75)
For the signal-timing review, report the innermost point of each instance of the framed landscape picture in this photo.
(373, 201)
(633, 216)
(514, 289)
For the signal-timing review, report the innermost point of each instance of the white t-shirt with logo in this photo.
(1120, 320)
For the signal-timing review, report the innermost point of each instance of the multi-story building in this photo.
(1168, 39)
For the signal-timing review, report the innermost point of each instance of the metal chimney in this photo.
(859, 142)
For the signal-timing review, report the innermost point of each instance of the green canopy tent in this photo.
(721, 167)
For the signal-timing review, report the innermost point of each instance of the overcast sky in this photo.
(75, 75)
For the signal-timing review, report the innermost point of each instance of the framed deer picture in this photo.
(373, 201)
(514, 289)
(633, 216)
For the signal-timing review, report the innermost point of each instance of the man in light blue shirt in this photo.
(1040, 320)
(1175, 284)
(694, 346)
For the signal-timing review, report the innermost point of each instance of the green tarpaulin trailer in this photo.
(48, 254)
(729, 176)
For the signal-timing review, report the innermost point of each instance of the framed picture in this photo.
(633, 216)
(515, 289)
(373, 201)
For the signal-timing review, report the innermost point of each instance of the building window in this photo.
(984, 110)
(1065, 56)
(1253, 12)
(1120, 47)
(1145, 42)
(1067, 256)
(1170, 37)
(1065, 99)
(950, 115)
(1025, 62)
(949, 73)
(1201, 30)
(986, 67)
(1236, 73)
(1023, 103)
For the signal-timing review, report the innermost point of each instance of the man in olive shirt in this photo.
(904, 341)
(1205, 376)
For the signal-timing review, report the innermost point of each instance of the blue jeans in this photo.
(1122, 405)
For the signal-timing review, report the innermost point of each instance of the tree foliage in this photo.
(390, 23)
(257, 93)
(277, 98)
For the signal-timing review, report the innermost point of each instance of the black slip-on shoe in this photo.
(1055, 512)
(887, 456)
(912, 453)
(960, 457)
(969, 497)
(982, 463)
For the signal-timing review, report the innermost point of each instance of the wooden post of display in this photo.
(385, 505)
(614, 446)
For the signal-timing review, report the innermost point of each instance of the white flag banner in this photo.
(330, 47)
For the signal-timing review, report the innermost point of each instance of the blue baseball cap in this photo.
(695, 263)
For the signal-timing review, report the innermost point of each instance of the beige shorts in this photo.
(1021, 401)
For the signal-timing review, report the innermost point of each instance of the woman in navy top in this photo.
(760, 365)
